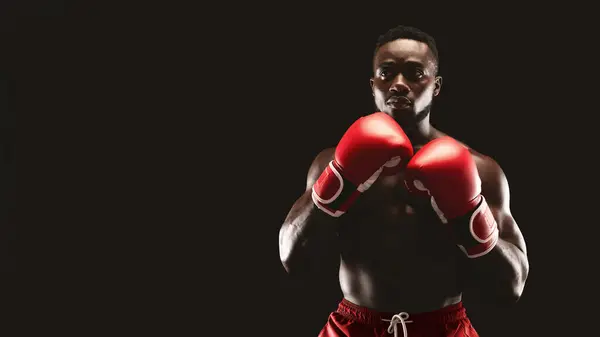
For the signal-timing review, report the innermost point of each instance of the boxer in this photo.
(409, 214)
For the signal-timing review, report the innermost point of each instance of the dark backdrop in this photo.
(8, 192)
(187, 134)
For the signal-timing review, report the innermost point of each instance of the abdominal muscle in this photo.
(398, 290)
(394, 258)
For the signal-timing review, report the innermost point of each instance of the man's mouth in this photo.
(399, 101)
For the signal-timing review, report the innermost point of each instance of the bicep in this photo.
(508, 229)
(496, 190)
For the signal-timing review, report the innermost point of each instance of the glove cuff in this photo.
(332, 193)
(476, 233)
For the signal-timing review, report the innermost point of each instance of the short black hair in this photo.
(407, 32)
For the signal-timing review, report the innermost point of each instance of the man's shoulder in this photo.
(486, 164)
(490, 172)
(489, 169)
(322, 159)
(319, 164)
(326, 154)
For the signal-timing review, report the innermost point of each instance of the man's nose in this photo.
(399, 86)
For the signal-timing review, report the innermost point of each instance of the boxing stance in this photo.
(409, 214)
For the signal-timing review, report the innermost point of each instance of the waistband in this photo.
(365, 315)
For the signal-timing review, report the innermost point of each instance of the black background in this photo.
(7, 146)
(182, 135)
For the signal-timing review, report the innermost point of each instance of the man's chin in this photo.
(402, 116)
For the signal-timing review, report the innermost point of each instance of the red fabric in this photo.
(354, 321)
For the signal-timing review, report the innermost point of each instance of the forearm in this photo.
(502, 272)
(308, 237)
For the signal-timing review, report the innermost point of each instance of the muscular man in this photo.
(402, 207)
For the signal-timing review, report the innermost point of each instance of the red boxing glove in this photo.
(373, 145)
(444, 170)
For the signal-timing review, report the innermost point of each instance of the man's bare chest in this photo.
(387, 221)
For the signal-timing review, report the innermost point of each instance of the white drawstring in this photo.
(403, 319)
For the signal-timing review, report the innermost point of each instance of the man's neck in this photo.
(420, 133)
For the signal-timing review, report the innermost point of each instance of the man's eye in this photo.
(384, 73)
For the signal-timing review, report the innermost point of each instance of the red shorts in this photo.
(356, 321)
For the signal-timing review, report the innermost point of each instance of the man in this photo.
(410, 215)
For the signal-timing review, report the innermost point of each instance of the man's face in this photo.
(404, 80)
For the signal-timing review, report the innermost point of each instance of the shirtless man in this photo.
(409, 214)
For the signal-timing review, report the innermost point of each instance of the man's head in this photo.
(405, 68)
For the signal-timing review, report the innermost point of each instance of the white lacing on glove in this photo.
(401, 318)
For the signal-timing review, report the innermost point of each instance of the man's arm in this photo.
(373, 145)
(504, 270)
(307, 238)
(470, 194)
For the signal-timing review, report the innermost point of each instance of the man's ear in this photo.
(438, 85)
(371, 84)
